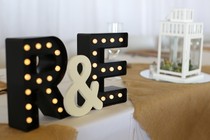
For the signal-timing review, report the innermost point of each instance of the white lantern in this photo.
(180, 48)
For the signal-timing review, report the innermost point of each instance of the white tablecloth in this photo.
(114, 122)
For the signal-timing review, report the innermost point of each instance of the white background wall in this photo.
(66, 18)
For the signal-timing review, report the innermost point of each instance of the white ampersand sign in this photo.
(79, 84)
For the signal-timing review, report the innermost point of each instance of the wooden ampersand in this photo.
(79, 85)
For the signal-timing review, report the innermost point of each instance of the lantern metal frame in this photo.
(180, 27)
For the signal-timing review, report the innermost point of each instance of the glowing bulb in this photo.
(57, 68)
(111, 97)
(38, 80)
(94, 77)
(49, 78)
(95, 65)
(27, 61)
(112, 40)
(103, 40)
(103, 70)
(28, 106)
(48, 90)
(54, 101)
(27, 47)
(120, 39)
(38, 46)
(111, 69)
(60, 109)
(28, 92)
(119, 67)
(94, 53)
(119, 95)
(29, 120)
(49, 45)
(27, 77)
(103, 98)
(95, 41)
(57, 52)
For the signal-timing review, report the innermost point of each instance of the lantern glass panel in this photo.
(171, 53)
(195, 48)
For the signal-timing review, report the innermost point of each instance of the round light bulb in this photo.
(49, 78)
(27, 47)
(49, 45)
(95, 41)
(38, 80)
(94, 77)
(38, 46)
(60, 109)
(54, 101)
(57, 52)
(112, 40)
(103, 98)
(111, 69)
(28, 92)
(120, 39)
(94, 65)
(48, 90)
(119, 67)
(29, 120)
(103, 40)
(27, 77)
(103, 70)
(28, 106)
(57, 68)
(119, 95)
(111, 97)
(94, 53)
(27, 61)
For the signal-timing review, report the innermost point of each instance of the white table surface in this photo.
(114, 122)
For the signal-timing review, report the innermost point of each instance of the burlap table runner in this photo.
(49, 132)
(3, 87)
(169, 111)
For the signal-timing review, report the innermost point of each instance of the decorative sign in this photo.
(92, 46)
(79, 84)
(35, 66)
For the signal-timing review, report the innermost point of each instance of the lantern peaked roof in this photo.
(181, 15)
